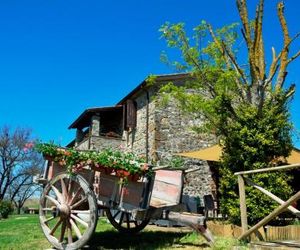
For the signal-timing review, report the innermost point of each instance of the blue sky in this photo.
(58, 58)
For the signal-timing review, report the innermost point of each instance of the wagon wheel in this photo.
(68, 211)
(124, 222)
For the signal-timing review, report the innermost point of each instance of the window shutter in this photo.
(130, 114)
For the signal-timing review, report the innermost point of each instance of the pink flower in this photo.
(28, 145)
(145, 167)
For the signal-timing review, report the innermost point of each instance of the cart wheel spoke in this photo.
(49, 219)
(58, 194)
(70, 238)
(80, 220)
(76, 229)
(127, 220)
(55, 227)
(78, 203)
(116, 214)
(56, 202)
(70, 186)
(80, 211)
(78, 191)
(121, 218)
(62, 232)
(64, 189)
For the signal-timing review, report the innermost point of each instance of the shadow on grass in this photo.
(143, 240)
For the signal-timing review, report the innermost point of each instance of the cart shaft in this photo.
(195, 221)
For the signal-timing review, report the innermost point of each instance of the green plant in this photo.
(6, 208)
(255, 142)
(224, 243)
(107, 159)
(175, 162)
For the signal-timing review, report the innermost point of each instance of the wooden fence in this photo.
(283, 233)
(269, 233)
(284, 205)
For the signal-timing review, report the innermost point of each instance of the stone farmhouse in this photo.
(139, 123)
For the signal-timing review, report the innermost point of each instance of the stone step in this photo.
(276, 245)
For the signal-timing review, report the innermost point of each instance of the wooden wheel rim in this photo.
(66, 210)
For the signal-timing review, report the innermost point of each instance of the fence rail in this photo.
(283, 204)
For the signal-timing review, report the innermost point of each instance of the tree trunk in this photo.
(18, 210)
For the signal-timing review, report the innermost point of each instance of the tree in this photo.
(18, 165)
(245, 106)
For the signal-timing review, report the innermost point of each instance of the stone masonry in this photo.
(169, 132)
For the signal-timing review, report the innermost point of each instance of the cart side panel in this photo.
(127, 196)
(167, 188)
(108, 188)
(54, 169)
(132, 195)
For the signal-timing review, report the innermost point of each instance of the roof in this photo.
(159, 78)
(84, 119)
(214, 154)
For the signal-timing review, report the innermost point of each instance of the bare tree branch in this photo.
(16, 166)
(242, 8)
(285, 52)
(258, 46)
(228, 57)
(275, 61)
(294, 57)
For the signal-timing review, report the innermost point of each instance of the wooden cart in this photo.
(69, 204)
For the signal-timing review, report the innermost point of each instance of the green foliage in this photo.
(151, 80)
(175, 162)
(223, 243)
(110, 159)
(254, 141)
(253, 126)
(6, 208)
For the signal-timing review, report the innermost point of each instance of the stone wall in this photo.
(84, 144)
(169, 132)
(101, 142)
(140, 140)
(173, 135)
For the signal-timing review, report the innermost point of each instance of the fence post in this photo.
(243, 206)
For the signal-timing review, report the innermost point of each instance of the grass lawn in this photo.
(23, 232)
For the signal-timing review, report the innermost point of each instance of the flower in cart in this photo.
(89, 162)
(47, 149)
(62, 162)
(67, 153)
(145, 167)
(75, 160)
